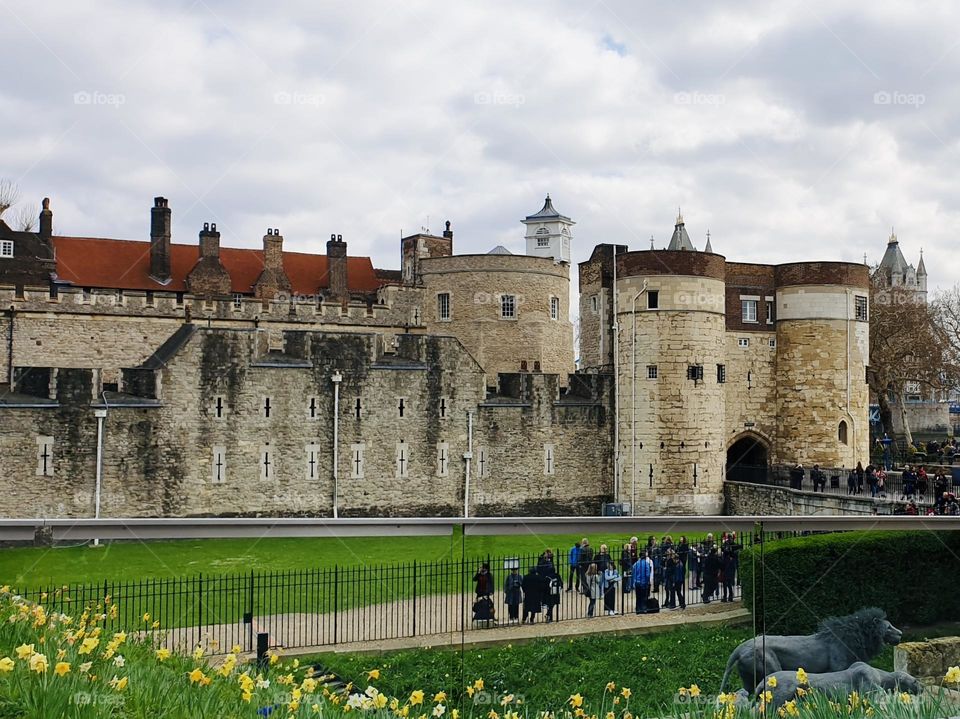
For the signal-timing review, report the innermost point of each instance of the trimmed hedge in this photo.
(913, 576)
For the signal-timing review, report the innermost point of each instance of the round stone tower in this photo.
(671, 406)
(823, 346)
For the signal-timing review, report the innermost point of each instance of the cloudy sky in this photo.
(791, 130)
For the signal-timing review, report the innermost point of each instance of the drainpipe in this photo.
(633, 405)
(101, 415)
(468, 455)
(336, 378)
(616, 385)
(10, 350)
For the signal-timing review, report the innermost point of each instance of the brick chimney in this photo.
(209, 278)
(160, 240)
(46, 219)
(273, 280)
(337, 268)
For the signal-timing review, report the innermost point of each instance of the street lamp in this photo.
(336, 378)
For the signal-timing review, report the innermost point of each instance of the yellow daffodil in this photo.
(155, 625)
(119, 684)
(24, 651)
(196, 675)
(439, 697)
(478, 685)
(492, 715)
(610, 715)
(952, 676)
(802, 676)
(85, 667)
(694, 690)
(146, 616)
(416, 698)
(163, 654)
(470, 691)
(6, 665)
(5, 589)
(611, 687)
(61, 668)
(626, 693)
(274, 658)
(905, 698)
(88, 645)
(454, 714)
(380, 701)
(772, 681)
(576, 701)
(38, 663)
(198, 653)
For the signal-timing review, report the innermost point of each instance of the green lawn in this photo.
(35, 566)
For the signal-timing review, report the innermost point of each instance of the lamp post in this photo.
(101, 415)
(336, 378)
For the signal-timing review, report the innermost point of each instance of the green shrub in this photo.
(913, 576)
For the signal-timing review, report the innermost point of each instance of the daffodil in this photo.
(38, 663)
(772, 681)
(952, 676)
(85, 667)
(198, 653)
(802, 676)
(438, 710)
(625, 692)
(6, 665)
(439, 697)
(478, 685)
(611, 687)
(196, 675)
(905, 698)
(162, 654)
(119, 684)
(416, 698)
(694, 690)
(88, 645)
(25, 651)
(576, 701)
(61, 668)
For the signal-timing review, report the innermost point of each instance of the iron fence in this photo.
(349, 604)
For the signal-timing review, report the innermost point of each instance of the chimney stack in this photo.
(160, 240)
(273, 280)
(448, 234)
(209, 241)
(337, 267)
(273, 249)
(46, 219)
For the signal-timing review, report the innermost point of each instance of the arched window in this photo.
(543, 231)
(842, 431)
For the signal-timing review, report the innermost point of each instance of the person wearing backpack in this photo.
(642, 577)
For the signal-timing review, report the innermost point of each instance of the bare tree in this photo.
(909, 347)
(9, 195)
(25, 218)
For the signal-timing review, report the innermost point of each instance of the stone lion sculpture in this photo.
(859, 677)
(837, 644)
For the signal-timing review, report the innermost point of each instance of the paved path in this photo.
(441, 620)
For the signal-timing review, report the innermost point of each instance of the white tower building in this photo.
(549, 233)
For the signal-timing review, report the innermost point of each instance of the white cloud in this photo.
(760, 120)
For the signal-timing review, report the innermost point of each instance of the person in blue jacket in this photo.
(573, 560)
(642, 577)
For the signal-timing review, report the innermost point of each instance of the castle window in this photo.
(743, 342)
(218, 470)
(6, 248)
(44, 456)
(748, 310)
(219, 408)
(554, 308)
(18, 292)
(695, 372)
(549, 460)
(860, 308)
(180, 299)
(483, 462)
(237, 302)
(403, 460)
(267, 407)
(842, 432)
(54, 291)
(443, 408)
(118, 297)
(651, 371)
(148, 298)
(313, 408)
(508, 307)
(443, 459)
(594, 304)
(773, 342)
(443, 306)
(770, 305)
(721, 373)
(356, 461)
(358, 408)
(653, 299)
(543, 242)
(401, 406)
(267, 469)
(313, 461)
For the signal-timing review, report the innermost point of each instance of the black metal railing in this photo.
(347, 604)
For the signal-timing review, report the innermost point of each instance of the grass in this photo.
(34, 566)
(547, 671)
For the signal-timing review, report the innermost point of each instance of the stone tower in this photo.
(671, 341)
(822, 354)
(549, 233)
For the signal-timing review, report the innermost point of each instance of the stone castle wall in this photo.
(239, 429)
(751, 386)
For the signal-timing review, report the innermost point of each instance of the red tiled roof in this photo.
(125, 265)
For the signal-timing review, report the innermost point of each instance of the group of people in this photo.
(708, 566)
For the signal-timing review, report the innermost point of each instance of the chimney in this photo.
(209, 241)
(273, 250)
(46, 219)
(448, 234)
(160, 240)
(337, 267)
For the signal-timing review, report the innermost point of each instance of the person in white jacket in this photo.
(611, 578)
(594, 581)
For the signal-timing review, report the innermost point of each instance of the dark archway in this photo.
(748, 460)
